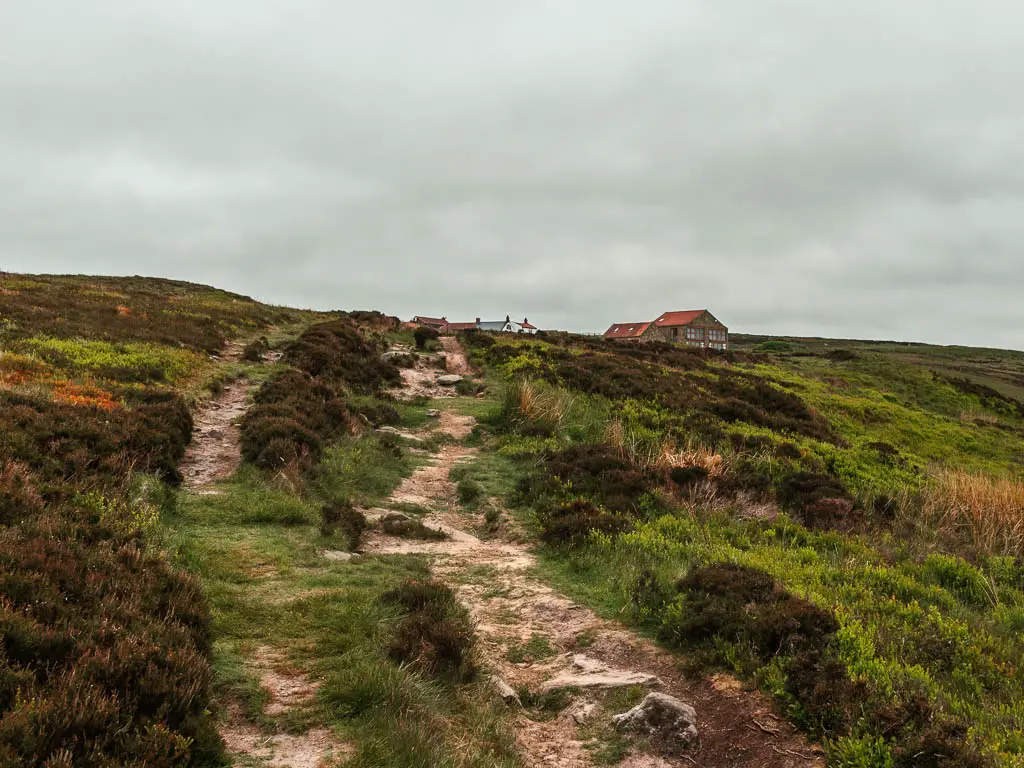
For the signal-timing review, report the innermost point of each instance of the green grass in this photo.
(361, 470)
(258, 551)
(940, 627)
(916, 619)
(537, 648)
(130, 361)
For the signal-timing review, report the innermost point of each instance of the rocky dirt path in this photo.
(212, 456)
(455, 357)
(214, 452)
(576, 651)
(288, 689)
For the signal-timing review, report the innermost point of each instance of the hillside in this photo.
(235, 534)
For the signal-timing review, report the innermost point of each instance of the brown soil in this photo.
(287, 686)
(421, 381)
(288, 689)
(314, 749)
(455, 357)
(213, 453)
(510, 606)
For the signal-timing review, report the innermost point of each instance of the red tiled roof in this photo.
(679, 318)
(626, 330)
(527, 325)
(424, 320)
(461, 326)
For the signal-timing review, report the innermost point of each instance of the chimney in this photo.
(507, 318)
(526, 321)
(478, 321)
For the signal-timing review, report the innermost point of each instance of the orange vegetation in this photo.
(84, 395)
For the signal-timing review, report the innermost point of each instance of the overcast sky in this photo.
(845, 169)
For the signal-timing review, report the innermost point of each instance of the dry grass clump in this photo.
(988, 511)
(672, 457)
(534, 410)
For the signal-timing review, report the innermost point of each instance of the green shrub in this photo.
(573, 524)
(346, 518)
(959, 577)
(436, 633)
(469, 490)
(407, 528)
(423, 334)
(860, 752)
(254, 350)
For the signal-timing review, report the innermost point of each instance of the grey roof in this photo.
(492, 325)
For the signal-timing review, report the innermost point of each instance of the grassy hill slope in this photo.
(841, 523)
(103, 643)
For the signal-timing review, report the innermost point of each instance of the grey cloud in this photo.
(798, 167)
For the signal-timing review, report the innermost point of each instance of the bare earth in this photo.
(455, 358)
(212, 456)
(494, 579)
(213, 453)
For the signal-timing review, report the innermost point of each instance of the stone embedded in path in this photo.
(387, 430)
(665, 717)
(505, 691)
(592, 673)
(433, 413)
(585, 663)
(338, 555)
(449, 379)
(582, 711)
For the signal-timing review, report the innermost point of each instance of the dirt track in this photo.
(511, 607)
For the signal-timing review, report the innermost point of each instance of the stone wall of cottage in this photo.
(678, 334)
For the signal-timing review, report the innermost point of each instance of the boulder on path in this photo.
(663, 717)
(433, 413)
(587, 672)
(506, 692)
(449, 379)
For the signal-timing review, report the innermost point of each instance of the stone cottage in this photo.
(694, 328)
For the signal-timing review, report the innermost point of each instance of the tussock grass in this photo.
(987, 511)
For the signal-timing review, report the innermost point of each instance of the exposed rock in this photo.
(338, 555)
(374, 514)
(664, 717)
(392, 354)
(433, 413)
(506, 691)
(388, 430)
(449, 379)
(582, 711)
(601, 678)
(584, 663)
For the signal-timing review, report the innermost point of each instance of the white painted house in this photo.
(508, 325)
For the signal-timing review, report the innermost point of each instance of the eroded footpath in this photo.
(581, 660)
(562, 670)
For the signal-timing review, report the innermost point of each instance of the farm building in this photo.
(695, 328)
(437, 323)
(508, 325)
